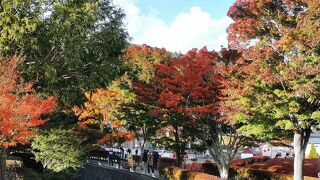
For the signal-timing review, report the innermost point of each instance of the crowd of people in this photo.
(149, 158)
(150, 161)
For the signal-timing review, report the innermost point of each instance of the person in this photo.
(155, 159)
(130, 160)
(287, 155)
(118, 159)
(110, 158)
(150, 164)
(145, 159)
(122, 152)
(185, 155)
(136, 151)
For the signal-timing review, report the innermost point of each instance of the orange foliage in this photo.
(116, 124)
(20, 107)
(97, 114)
(178, 173)
(116, 137)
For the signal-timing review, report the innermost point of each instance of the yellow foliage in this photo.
(103, 102)
(101, 110)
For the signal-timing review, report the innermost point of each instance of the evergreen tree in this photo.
(313, 152)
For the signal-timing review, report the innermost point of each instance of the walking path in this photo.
(138, 170)
(94, 171)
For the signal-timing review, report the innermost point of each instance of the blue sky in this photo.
(177, 25)
(169, 9)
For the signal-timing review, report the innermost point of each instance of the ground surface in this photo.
(100, 170)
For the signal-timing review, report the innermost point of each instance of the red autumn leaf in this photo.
(20, 107)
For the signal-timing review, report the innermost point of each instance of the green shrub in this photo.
(59, 150)
(313, 152)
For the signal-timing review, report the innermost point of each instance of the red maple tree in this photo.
(185, 91)
(20, 107)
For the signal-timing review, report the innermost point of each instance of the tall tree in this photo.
(278, 75)
(20, 108)
(140, 62)
(182, 92)
(218, 132)
(70, 46)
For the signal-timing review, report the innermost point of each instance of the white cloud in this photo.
(192, 29)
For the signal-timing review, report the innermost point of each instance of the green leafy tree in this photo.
(70, 46)
(59, 150)
(277, 92)
(313, 152)
(138, 120)
(17, 20)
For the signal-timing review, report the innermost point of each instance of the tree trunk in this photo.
(178, 146)
(179, 162)
(301, 138)
(141, 152)
(141, 156)
(224, 171)
(3, 170)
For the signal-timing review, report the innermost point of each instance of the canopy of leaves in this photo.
(59, 150)
(17, 20)
(140, 61)
(70, 46)
(20, 107)
(100, 112)
(184, 91)
(276, 83)
(187, 86)
(137, 119)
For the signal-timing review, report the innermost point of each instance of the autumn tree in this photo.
(140, 62)
(98, 115)
(20, 108)
(278, 76)
(70, 47)
(220, 134)
(184, 96)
